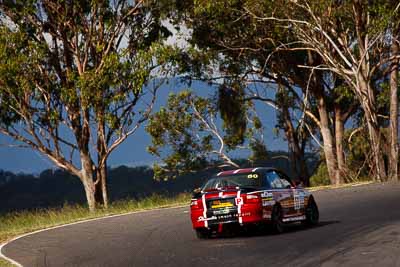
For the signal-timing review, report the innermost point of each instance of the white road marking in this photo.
(74, 223)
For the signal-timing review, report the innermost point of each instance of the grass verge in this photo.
(4, 263)
(322, 187)
(14, 224)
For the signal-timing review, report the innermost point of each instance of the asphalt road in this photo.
(360, 226)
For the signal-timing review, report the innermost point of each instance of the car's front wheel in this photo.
(312, 213)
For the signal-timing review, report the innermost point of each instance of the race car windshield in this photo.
(238, 180)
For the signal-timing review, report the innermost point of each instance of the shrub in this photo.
(321, 176)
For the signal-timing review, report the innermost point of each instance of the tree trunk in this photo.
(101, 187)
(394, 149)
(298, 163)
(367, 100)
(375, 139)
(329, 148)
(89, 191)
(87, 181)
(339, 132)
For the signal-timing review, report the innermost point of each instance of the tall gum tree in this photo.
(351, 38)
(78, 77)
(231, 47)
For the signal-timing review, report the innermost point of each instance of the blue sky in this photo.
(133, 151)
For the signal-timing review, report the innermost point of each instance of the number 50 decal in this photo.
(252, 176)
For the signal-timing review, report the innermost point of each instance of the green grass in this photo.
(14, 224)
(4, 263)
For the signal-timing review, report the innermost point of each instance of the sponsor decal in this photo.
(202, 219)
(224, 211)
(266, 194)
(225, 216)
(238, 201)
(296, 218)
(298, 199)
(266, 216)
(216, 204)
(268, 202)
(267, 198)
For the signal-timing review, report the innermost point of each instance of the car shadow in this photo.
(264, 230)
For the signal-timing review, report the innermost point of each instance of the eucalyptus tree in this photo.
(351, 40)
(77, 78)
(257, 52)
(188, 136)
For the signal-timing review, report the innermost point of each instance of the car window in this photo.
(273, 180)
(235, 180)
(285, 183)
(285, 180)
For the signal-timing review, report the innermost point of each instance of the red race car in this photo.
(254, 196)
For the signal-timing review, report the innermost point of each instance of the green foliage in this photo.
(180, 126)
(321, 176)
(82, 66)
(187, 137)
(259, 151)
(233, 111)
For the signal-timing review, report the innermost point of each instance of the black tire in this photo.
(203, 233)
(278, 226)
(312, 213)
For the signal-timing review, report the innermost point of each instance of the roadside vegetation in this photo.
(17, 223)
(4, 263)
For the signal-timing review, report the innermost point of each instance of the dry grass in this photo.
(18, 223)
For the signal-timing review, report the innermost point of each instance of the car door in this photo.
(281, 190)
(297, 195)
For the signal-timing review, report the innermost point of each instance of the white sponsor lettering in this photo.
(268, 203)
(296, 218)
(298, 199)
(266, 194)
(202, 219)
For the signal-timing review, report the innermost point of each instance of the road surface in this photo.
(360, 226)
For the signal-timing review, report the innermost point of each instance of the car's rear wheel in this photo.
(203, 233)
(278, 225)
(312, 213)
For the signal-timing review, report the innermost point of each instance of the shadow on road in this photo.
(232, 231)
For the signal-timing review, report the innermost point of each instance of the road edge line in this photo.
(74, 223)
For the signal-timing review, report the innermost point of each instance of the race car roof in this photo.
(245, 170)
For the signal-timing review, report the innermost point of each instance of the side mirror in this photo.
(197, 190)
(299, 183)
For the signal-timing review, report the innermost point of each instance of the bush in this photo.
(321, 176)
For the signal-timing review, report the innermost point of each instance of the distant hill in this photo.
(53, 188)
